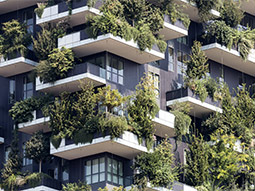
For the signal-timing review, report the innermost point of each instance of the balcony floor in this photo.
(171, 31)
(40, 124)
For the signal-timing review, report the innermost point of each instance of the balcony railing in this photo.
(86, 72)
(60, 11)
(83, 45)
(198, 108)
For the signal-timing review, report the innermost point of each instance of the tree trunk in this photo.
(40, 166)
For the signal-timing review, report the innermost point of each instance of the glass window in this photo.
(115, 70)
(26, 161)
(65, 170)
(95, 170)
(170, 59)
(12, 87)
(156, 81)
(28, 19)
(7, 151)
(28, 87)
(115, 171)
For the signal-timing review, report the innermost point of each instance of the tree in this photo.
(142, 109)
(80, 186)
(156, 167)
(14, 39)
(38, 148)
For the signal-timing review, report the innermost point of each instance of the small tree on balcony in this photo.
(38, 148)
(14, 39)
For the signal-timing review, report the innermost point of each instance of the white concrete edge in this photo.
(40, 188)
(34, 122)
(224, 48)
(176, 28)
(66, 14)
(130, 43)
(17, 60)
(42, 86)
(65, 148)
(195, 101)
(1, 140)
(163, 122)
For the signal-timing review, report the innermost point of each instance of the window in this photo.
(7, 151)
(28, 87)
(28, 19)
(95, 170)
(114, 171)
(100, 62)
(183, 40)
(26, 161)
(12, 87)
(115, 70)
(182, 57)
(156, 81)
(65, 170)
(242, 80)
(170, 59)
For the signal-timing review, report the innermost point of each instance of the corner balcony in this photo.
(126, 146)
(39, 123)
(17, 65)
(190, 9)
(82, 45)
(164, 124)
(85, 72)
(231, 58)
(248, 7)
(46, 184)
(13, 5)
(173, 31)
(198, 108)
(59, 12)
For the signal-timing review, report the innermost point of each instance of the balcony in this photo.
(198, 108)
(173, 31)
(164, 124)
(82, 45)
(231, 58)
(85, 72)
(17, 64)
(192, 11)
(248, 7)
(46, 184)
(39, 123)
(13, 5)
(126, 146)
(59, 12)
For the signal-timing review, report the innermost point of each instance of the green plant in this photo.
(14, 39)
(80, 186)
(198, 87)
(56, 67)
(231, 13)
(142, 109)
(156, 167)
(40, 9)
(38, 148)
(91, 3)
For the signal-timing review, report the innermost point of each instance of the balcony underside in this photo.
(77, 17)
(230, 58)
(40, 188)
(16, 66)
(171, 31)
(69, 84)
(40, 124)
(115, 45)
(198, 108)
(248, 6)
(13, 5)
(119, 147)
(191, 10)
(1, 140)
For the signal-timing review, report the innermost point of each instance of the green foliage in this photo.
(197, 66)
(80, 186)
(182, 119)
(47, 39)
(91, 3)
(231, 13)
(38, 148)
(40, 9)
(156, 167)
(56, 67)
(198, 87)
(22, 111)
(34, 179)
(142, 109)
(14, 39)
(229, 37)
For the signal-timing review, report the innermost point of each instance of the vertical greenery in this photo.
(14, 39)
(80, 186)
